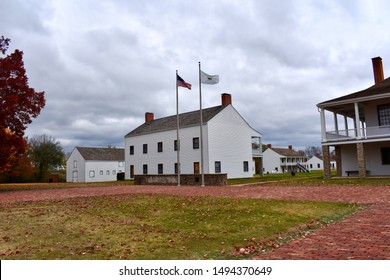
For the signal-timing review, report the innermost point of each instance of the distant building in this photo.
(360, 130)
(316, 163)
(87, 164)
(280, 160)
(230, 144)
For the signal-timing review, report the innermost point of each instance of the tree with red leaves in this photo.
(19, 103)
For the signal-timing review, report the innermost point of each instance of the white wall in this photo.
(271, 161)
(230, 142)
(168, 157)
(103, 171)
(315, 163)
(75, 167)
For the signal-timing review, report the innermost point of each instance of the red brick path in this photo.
(363, 235)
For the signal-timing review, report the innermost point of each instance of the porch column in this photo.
(339, 169)
(346, 126)
(323, 125)
(336, 124)
(357, 121)
(361, 160)
(326, 159)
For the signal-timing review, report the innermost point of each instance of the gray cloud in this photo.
(103, 64)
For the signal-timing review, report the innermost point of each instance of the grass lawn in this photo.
(156, 227)
(313, 178)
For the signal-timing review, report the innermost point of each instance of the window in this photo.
(160, 147)
(145, 148)
(121, 164)
(91, 174)
(318, 165)
(311, 165)
(384, 114)
(217, 167)
(385, 154)
(145, 169)
(160, 168)
(195, 143)
(175, 145)
(131, 150)
(101, 172)
(176, 169)
(107, 172)
(75, 164)
(246, 166)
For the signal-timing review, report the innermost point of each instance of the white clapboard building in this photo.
(86, 164)
(230, 144)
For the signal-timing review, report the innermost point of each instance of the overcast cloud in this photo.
(104, 63)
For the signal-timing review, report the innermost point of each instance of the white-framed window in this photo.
(91, 174)
(75, 164)
(101, 172)
(246, 166)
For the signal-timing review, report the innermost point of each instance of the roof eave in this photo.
(353, 100)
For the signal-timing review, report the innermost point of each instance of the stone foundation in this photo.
(185, 179)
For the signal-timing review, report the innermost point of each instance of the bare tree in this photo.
(313, 151)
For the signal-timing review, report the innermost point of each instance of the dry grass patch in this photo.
(156, 227)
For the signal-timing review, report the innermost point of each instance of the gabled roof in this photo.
(169, 123)
(374, 92)
(287, 152)
(102, 154)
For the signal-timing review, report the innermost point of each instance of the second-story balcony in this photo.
(365, 133)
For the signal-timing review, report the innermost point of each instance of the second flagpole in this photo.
(177, 132)
(201, 128)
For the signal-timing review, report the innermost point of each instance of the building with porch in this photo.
(230, 144)
(280, 160)
(360, 133)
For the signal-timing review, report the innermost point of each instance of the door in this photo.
(196, 167)
(75, 176)
(131, 171)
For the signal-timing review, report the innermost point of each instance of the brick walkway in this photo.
(363, 235)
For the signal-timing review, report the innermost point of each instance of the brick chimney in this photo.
(269, 145)
(378, 69)
(290, 147)
(226, 99)
(149, 117)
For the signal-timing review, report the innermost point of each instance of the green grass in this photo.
(156, 227)
(313, 178)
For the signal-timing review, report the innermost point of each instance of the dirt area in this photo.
(363, 235)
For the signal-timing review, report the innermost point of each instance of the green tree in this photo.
(46, 154)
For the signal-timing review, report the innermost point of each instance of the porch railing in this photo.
(370, 132)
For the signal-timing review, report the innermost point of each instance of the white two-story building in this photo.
(359, 129)
(280, 160)
(228, 141)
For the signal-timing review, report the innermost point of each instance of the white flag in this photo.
(209, 79)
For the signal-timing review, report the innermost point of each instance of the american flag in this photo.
(182, 83)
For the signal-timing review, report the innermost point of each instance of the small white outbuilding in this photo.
(86, 164)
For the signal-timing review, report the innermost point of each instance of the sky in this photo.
(103, 64)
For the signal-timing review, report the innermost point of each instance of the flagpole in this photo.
(177, 133)
(201, 129)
